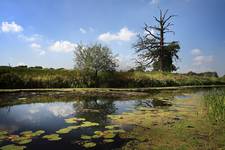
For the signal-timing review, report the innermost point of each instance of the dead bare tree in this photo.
(152, 48)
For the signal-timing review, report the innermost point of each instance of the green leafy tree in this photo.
(153, 50)
(92, 59)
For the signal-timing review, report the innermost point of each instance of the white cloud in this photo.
(32, 38)
(11, 27)
(83, 31)
(35, 46)
(202, 60)
(123, 35)
(62, 46)
(196, 52)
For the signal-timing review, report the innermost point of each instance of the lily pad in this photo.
(89, 144)
(38, 133)
(26, 133)
(74, 120)
(89, 124)
(108, 135)
(3, 133)
(85, 137)
(25, 141)
(52, 137)
(108, 140)
(12, 147)
(64, 131)
(96, 136)
(111, 126)
(73, 127)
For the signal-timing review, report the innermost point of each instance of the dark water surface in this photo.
(47, 111)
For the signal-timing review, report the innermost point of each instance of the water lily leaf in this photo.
(85, 137)
(89, 144)
(98, 132)
(74, 120)
(12, 147)
(52, 137)
(111, 126)
(26, 133)
(38, 133)
(108, 140)
(108, 135)
(117, 131)
(26, 141)
(73, 127)
(89, 124)
(96, 136)
(3, 133)
(64, 131)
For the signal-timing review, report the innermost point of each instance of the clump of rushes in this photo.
(215, 105)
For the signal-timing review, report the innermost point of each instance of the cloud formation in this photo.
(11, 27)
(200, 58)
(123, 35)
(35, 46)
(62, 46)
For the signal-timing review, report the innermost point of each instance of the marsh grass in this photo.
(215, 105)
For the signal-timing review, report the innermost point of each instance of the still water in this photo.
(33, 111)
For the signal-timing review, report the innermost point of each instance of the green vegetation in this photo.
(183, 126)
(23, 77)
(215, 105)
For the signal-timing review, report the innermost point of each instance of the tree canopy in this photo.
(94, 58)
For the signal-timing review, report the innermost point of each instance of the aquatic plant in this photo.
(85, 137)
(89, 124)
(111, 126)
(215, 105)
(74, 120)
(89, 144)
(52, 137)
(12, 147)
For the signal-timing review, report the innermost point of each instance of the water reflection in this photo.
(95, 109)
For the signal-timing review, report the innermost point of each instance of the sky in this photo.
(46, 32)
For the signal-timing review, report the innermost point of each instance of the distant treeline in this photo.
(38, 77)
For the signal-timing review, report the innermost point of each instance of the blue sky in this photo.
(45, 32)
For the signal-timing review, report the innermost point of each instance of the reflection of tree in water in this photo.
(152, 103)
(94, 109)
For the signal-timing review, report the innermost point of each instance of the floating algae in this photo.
(12, 147)
(52, 137)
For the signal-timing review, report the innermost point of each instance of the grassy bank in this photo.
(22, 77)
(190, 124)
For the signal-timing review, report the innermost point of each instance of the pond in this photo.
(57, 120)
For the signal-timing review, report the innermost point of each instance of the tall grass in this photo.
(215, 105)
(22, 77)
